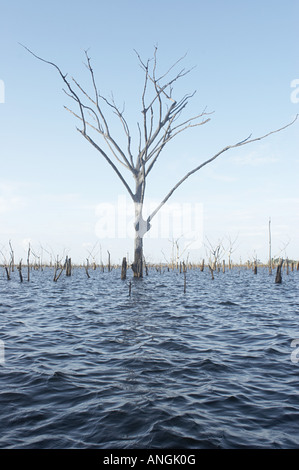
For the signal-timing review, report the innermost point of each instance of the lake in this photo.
(86, 365)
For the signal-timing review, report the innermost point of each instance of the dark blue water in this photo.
(88, 366)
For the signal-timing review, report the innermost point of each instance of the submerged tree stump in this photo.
(124, 269)
(86, 270)
(278, 277)
(7, 273)
(28, 264)
(109, 261)
(57, 276)
(68, 266)
(20, 271)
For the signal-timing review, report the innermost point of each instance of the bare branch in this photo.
(112, 144)
(88, 138)
(126, 130)
(106, 135)
(225, 149)
(169, 135)
(96, 129)
(96, 92)
(65, 81)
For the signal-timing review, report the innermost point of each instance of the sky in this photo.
(56, 191)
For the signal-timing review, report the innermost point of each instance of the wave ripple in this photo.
(87, 366)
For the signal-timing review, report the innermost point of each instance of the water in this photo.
(88, 366)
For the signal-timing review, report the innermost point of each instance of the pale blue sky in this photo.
(246, 56)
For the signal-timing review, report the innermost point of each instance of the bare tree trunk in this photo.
(7, 273)
(141, 227)
(124, 269)
(86, 268)
(137, 265)
(270, 256)
(20, 271)
(28, 264)
(109, 261)
(12, 260)
(68, 266)
(278, 277)
(57, 276)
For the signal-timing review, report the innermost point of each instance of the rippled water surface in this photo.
(88, 366)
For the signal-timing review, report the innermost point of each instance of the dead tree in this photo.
(28, 263)
(230, 250)
(68, 266)
(58, 266)
(86, 268)
(278, 277)
(37, 262)
(6, 265)
(20, 271)
(270, 246)
(212, 272)
(161, 122)
(109, 261)
(124, 269)
(216, 251)
(176, 252)
(12, 257)
(93, 255)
